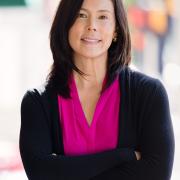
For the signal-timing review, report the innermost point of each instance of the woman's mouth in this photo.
(90, 40)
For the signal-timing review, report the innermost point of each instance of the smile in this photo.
(90, 40)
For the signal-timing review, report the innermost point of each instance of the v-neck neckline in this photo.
(78, 106)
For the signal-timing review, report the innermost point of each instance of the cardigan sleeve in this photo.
(156, 144)
(38, 157)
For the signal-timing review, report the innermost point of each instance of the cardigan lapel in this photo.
(126, 116)
(57, 140)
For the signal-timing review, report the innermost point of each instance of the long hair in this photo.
(119, 53)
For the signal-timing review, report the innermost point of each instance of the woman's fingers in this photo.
(138, 155)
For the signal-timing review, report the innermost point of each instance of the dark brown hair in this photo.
(119, 53)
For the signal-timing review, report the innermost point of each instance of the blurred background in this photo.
(25, 60)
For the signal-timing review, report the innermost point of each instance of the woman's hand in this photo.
(138, 155)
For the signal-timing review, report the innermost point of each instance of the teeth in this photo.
(90, 40)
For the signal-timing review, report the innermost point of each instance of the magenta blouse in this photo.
(80, 138)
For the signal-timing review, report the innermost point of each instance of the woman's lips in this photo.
(90, 40)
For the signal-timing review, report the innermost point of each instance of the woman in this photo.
(95, 118)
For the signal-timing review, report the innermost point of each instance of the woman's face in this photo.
(94, 29)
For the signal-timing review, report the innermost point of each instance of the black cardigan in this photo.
(145, 125)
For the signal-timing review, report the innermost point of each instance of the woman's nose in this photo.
(91, 28)
(92, 25)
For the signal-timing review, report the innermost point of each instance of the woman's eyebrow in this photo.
(101, 10)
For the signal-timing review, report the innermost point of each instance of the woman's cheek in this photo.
(108, 26)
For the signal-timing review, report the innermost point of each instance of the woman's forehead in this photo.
(98, 5)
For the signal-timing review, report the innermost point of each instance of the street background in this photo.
(25, 59)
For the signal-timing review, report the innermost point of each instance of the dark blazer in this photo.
(144, 125)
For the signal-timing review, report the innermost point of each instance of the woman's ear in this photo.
(115, 36)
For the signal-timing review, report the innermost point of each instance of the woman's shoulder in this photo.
(39, 91)
(38, 95)
(38, 99)
(35, 92)
(141, 82)
(142, 78)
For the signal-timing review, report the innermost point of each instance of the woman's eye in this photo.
(81, 15)
(103, 17)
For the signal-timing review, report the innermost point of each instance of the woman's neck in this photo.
(96, 70)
